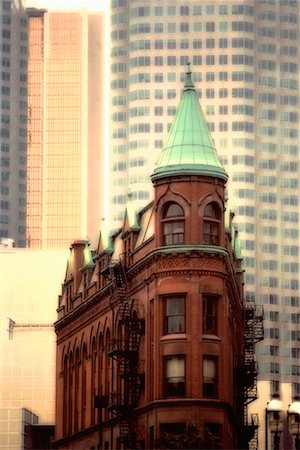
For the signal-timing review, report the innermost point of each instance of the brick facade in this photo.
(150, 325)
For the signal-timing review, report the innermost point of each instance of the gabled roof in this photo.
(189, 149)
(105, 242)
(131, 221)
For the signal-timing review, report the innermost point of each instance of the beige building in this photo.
(65, 127)
(29, 287)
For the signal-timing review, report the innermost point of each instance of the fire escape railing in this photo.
(254, 332)
(124, 350)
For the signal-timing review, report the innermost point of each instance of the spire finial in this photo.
(188, 81)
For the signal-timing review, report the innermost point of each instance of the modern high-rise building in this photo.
(245, 61)
(13, 135)
(65, 126)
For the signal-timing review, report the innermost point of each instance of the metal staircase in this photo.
(254, 332)
(124, 349)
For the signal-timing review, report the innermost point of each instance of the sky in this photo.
(68, 4)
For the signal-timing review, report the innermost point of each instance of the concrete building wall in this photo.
(28, 299)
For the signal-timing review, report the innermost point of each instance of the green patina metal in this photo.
(189, 149)
(198, 248)
(88, 257)
(237, 246)
(132, 217)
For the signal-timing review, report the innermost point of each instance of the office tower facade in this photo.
(13, 138)
(245, 60)
(65, 126)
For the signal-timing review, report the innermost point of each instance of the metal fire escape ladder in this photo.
(254, 332)
(125, 351)
(118, 278)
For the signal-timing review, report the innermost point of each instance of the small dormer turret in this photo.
(189, 180)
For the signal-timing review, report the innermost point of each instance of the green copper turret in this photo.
(189, 149)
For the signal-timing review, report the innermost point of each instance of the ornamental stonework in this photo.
(173, 263)
(210, 264)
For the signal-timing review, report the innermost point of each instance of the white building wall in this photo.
(29, 288)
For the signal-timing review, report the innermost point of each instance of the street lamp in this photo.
(273, 414)
(294, 421)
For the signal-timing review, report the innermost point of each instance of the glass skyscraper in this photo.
(65, 128)
(244, 57)
(13, 136)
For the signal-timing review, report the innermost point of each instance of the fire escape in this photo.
(124, 349)
(254, 332)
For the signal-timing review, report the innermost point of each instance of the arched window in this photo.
(94, 357)
(65, 397)
(71, 394)
(173, 225)
(100, 373)
(76, 393)
(83, 387)
(211, 224)
(107, 373)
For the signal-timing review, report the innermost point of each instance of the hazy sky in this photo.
(68, 4)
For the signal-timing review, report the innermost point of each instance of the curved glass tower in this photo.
(245, 62)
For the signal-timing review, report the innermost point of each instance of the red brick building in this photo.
(151, 326)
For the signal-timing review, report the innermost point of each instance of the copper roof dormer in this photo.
(189, 149)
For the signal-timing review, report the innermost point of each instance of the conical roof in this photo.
(189, 149)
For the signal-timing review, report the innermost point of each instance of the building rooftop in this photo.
(189, 149)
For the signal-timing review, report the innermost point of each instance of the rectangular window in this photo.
(296, 389)
(211, 231)
(210, 314)
(274, 350)
(275, 388)
(174, 430)
(210, 381)
(171, 60)
(171, 44)
(174, 314)
(223, 76)
(158, 27)
(223, 109)
(210, 43)
(174, 385)
(184, 43)
(184, 27)
(210, 60)
(197, 43)
(223, 126)
(210, 26)
(158, 60)
(184, 10)
(223, 43)
(151, 437)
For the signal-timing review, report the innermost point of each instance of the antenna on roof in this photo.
(188, 80)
